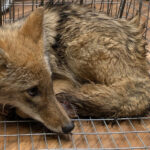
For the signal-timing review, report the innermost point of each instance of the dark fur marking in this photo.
(29, 101)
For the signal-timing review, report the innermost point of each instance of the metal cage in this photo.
(91, 134)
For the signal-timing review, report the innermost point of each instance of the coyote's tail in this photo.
(124, 99)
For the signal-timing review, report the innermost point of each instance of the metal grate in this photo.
(93, 134)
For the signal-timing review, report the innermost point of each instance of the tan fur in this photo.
(100, 60)
(24, 67)
(106, 56)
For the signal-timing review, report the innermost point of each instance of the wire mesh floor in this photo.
(93, 134)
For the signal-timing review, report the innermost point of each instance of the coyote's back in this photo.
(107, 57)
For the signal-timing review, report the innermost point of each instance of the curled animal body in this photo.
(69, 53)
(105, 58)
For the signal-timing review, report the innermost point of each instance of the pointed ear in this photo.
(135, 20)
(3, 59)
(32, 28)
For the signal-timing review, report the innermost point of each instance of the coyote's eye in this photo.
(33, 91)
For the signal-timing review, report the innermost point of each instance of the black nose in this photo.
(68, 128)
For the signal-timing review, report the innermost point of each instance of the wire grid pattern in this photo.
(13, 10)
(93, 134)
(86, 135)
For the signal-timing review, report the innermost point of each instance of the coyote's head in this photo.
(25, 74)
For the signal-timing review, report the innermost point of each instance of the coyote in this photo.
(101, 59)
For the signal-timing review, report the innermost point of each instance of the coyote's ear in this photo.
(135, 20)
(3, 59)
(32, 28)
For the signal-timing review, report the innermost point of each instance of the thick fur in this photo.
(106, 56)
(101, 60)
(23, 67)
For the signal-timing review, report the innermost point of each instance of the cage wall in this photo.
(12, 10)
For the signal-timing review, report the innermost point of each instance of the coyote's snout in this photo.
(25, 75)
